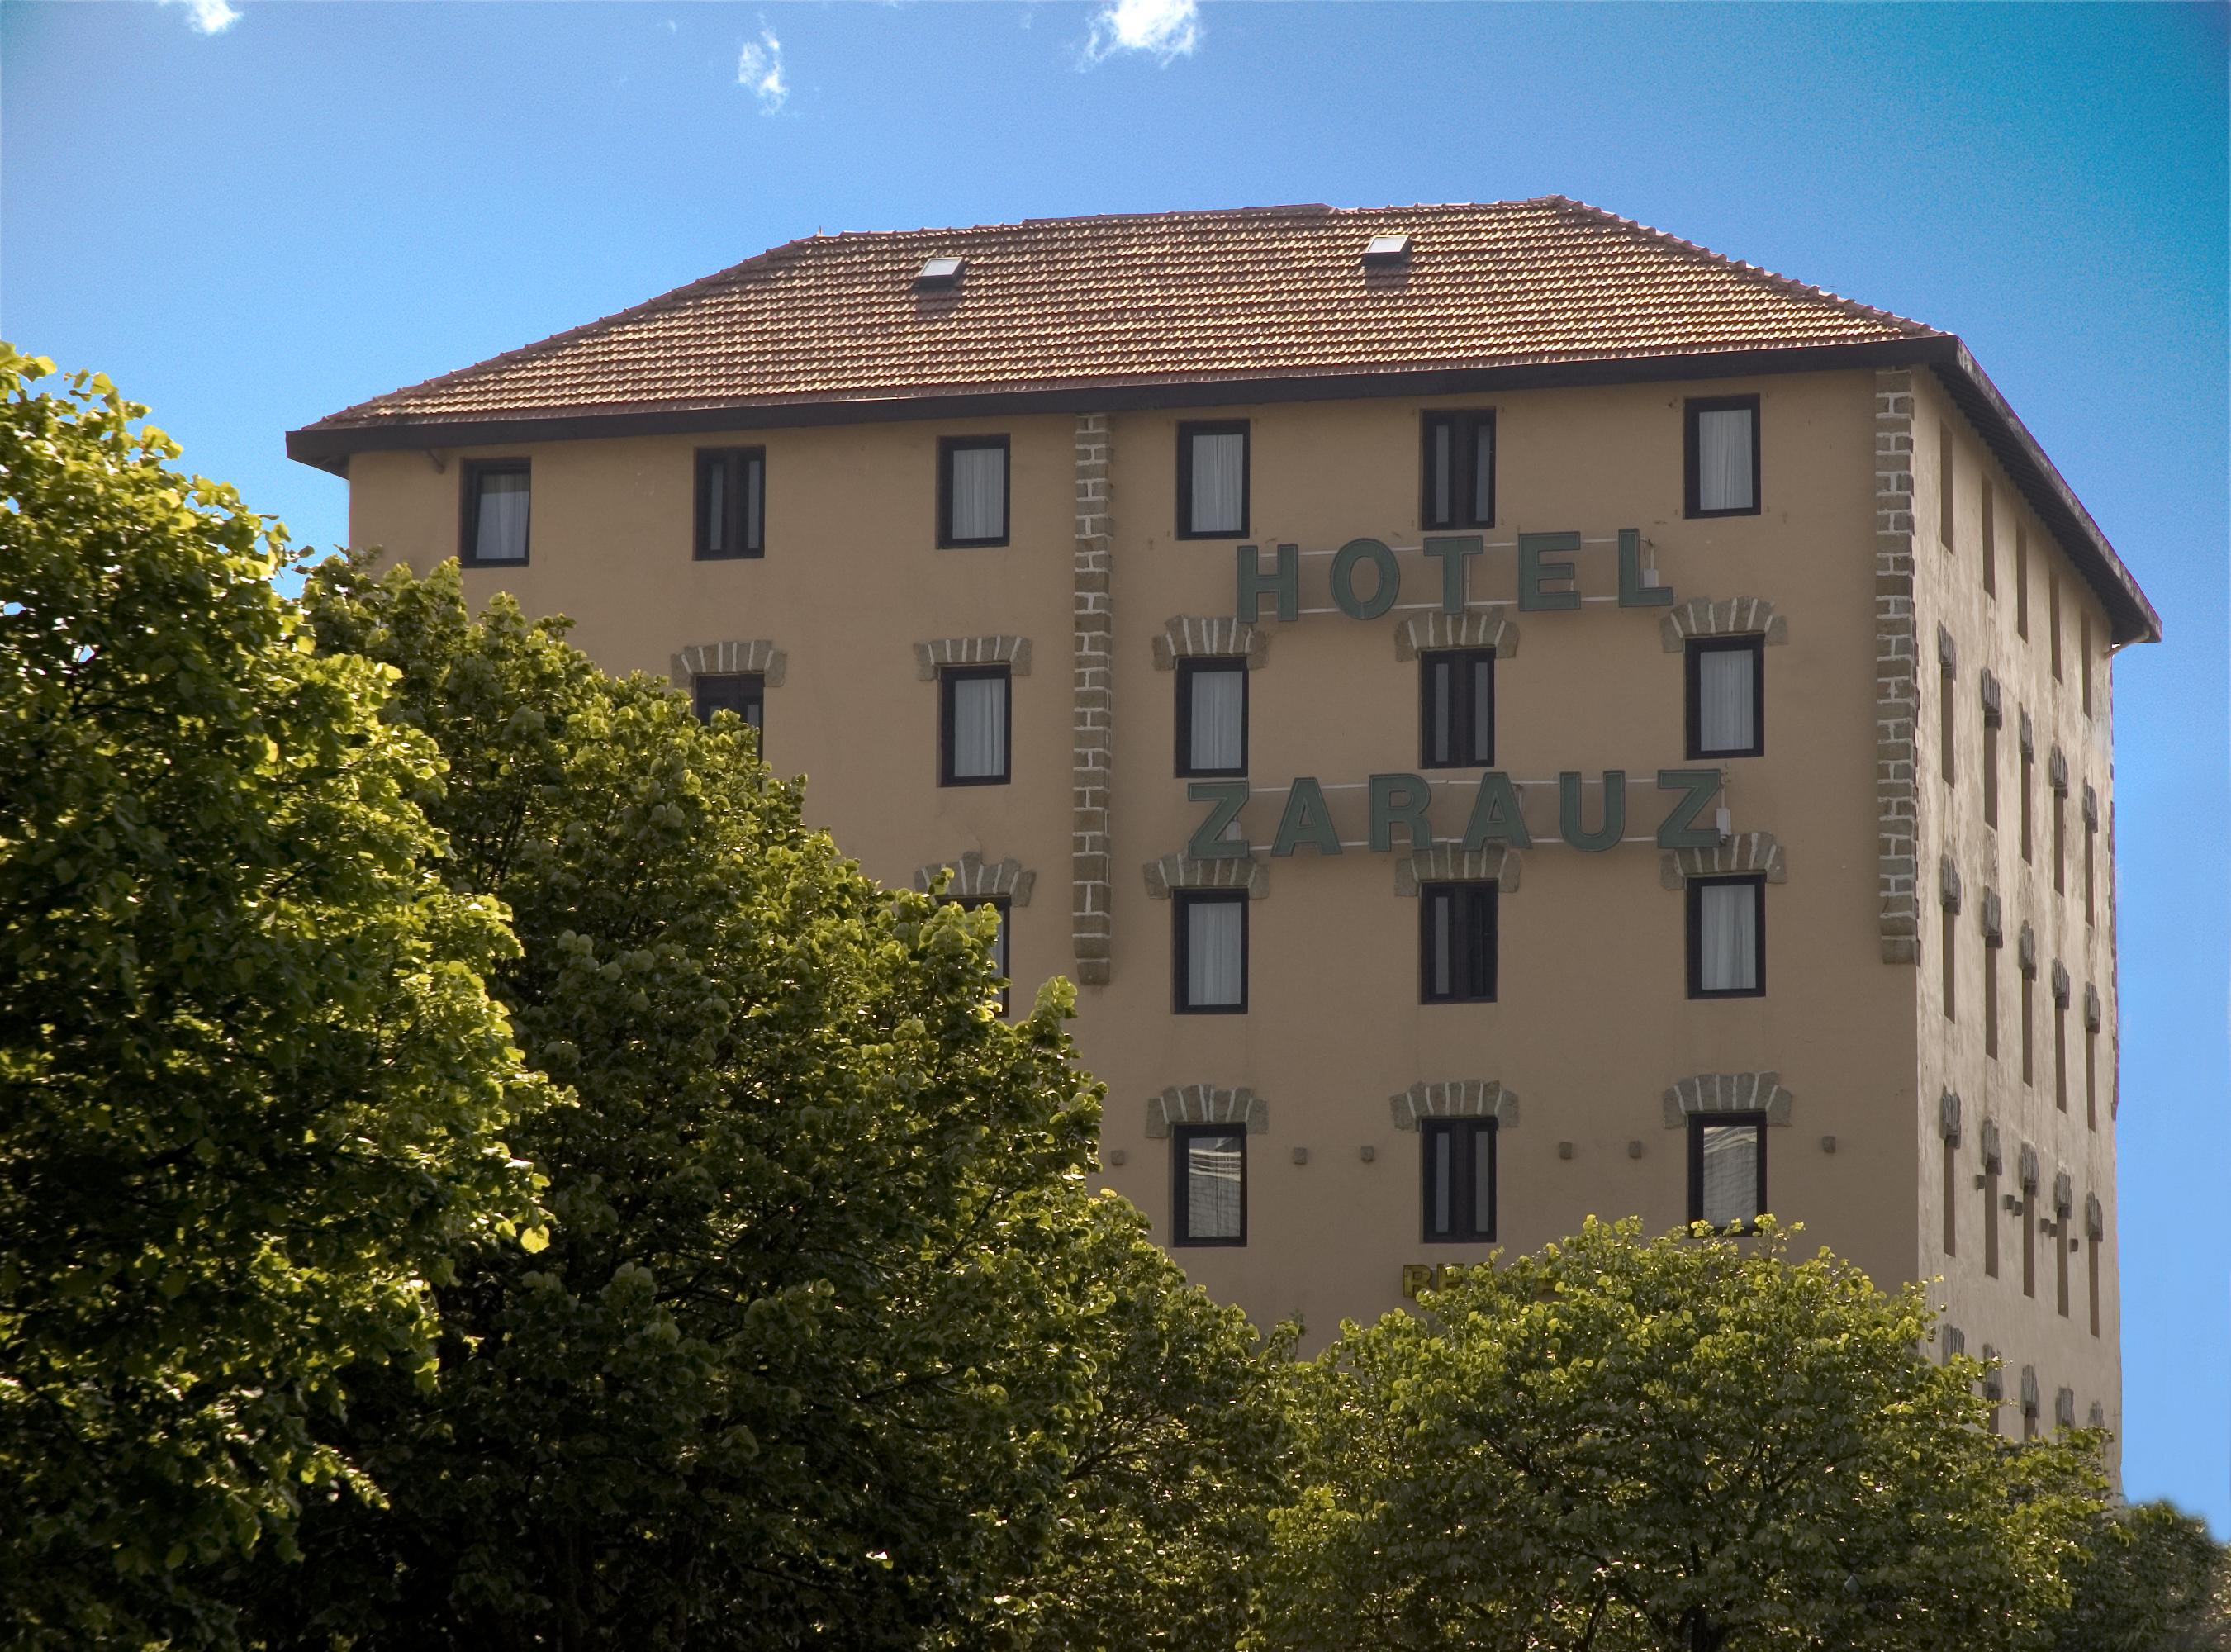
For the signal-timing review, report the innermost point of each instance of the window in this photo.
(2083, 656)
(1456, 943)
(1208, 1203)
(1722, 457)
(1727, 697)
(973, 734)
(2091, 1074)
(1456, 708)
(2029, 791)
(1949, 932)
(1990, 997)
(1727, 1170)
(741, 692)
(1212, 481)
(2091, 836)
(2060, 841)
(731, 502)
(1990, 1180)
(496, 494)
(1005, 908)
(1210, 968)
(1459, 1196)
(1990, 771)
(1991, 541)
(2022, 581)
(1948, 723)
(1947, 514)
(1459, 471)
(2061, 1053)
(1727, 936)
(972, 491)
(2029, 1026)
(2053, 618)
(1211, 717)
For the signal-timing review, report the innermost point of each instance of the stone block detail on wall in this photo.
(1249, 872)
(1729, 617)
(708, 659)
(1092, 706)
(1995, 712)
(2056, 770)
(1898, 904)
(2060, 984)
(2063, 1408)
(974, 878)
(1947, 653)
(1206, 1103)
(1947, 883)
(2091, 1007)
(1995, 1376)
(1728, 1092)
(1994, 1157)
(2064, 1196)
(2091, 808)
(1449, 863)
(2095, 1217)
(1456, 1098)
(1210, 637)
(1947, 1117)
(1744, 851)
(2029, 1391)
(2025, 950)
(2026, 1171)
(1993, 914)
(2026, 736)
(1480, 628)
(1013, 652)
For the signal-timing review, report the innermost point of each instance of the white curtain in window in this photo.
(1724, 477)
(501, 525)
(1219, 482)
(980, 727)
(1214, 970)
(980, 493)
(1728, 915)
(1214, 1165)
(1725, 697)
(1219, 718)
(1730, 1174)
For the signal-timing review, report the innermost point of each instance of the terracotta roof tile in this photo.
(1165, 297)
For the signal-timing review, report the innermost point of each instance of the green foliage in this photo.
(830, 1346)
(251, 1088)
(1686, 1443)
(2147, 1579)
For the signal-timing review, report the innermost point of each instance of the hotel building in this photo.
(1506, 715)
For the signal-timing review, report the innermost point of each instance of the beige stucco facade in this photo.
(1592, 1026)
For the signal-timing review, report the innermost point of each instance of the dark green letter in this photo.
(1343, 578)
(1209, 842)
(1285, 584)
(1532, 571)
(1495, 815)
(1632, 593)
(1416, 797)
(1677, 830)
(1614, 811)
(1306, 820)
(1455, 551)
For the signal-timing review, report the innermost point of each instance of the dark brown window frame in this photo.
(1693, 898)
(1464, 929)
(947, 447)
(1699, 1122)
(1460, 706)
(947, 676)
(1182, 903)
(1692, 716)
(755, 695)
(1691, 482)
(1181, 1205)
(1464, 1189)
(1186, 430)
(736, 462)
(1187, 669)
(1465, 510)
(469, 513)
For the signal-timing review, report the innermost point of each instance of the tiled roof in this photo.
(1159, 298)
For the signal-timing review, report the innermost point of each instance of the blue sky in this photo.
(251, 214)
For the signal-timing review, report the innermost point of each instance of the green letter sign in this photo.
(1306, 820)
(1343, 578)
(1403, 799)
(1533, 571)
(1632, 593)
(1285, 584)
(1495, 815)
(1456, 552)
(1678, 829)
(1614, 811)
(1209, 842)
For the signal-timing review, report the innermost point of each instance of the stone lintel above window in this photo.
(1197, 637)
(719, 659)
(1456, 1098)
(1013, 652)
(1729, 617)
(1728, 1092)
(1206, 1103)
(1754, 851)
(1249, 872)
(974, 878)
(1491, 627)
(1447, 864)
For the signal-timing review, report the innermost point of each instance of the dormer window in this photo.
(940, 273)
(1386, 252)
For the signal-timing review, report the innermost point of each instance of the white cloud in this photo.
(1165, 28)
(758, 66)
(207, 17)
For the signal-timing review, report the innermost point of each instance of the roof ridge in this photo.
(1758, 273)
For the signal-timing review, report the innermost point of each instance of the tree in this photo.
(831, 1346)
(1684, 1444)
(252, 1091)
(2147, 1578)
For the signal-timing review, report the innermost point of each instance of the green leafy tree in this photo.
(252, 1091)
(1685, 1444)
(2147, 1578)
(829, 1347)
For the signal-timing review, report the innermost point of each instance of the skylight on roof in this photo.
(941, 272)
(1385, 249)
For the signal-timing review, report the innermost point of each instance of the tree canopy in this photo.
(253, 1094)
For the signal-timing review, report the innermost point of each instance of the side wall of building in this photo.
(2016, 973)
